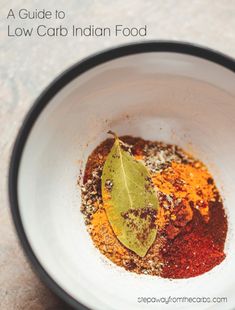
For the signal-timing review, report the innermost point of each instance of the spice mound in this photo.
(191, 221)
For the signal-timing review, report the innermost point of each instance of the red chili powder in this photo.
(198, 248)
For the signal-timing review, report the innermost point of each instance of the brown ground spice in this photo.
(190, 212)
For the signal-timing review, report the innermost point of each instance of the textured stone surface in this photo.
(28, 65)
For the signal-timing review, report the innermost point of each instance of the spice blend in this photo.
(191, 222)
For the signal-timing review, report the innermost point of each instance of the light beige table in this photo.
(27, 65)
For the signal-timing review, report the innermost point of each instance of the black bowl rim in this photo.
(62, 80)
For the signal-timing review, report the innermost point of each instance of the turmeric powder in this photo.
(188, 182)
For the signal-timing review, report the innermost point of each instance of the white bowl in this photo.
(169, 91)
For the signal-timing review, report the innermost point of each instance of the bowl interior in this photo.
(172, 97)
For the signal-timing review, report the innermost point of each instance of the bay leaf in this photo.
(130, 199)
